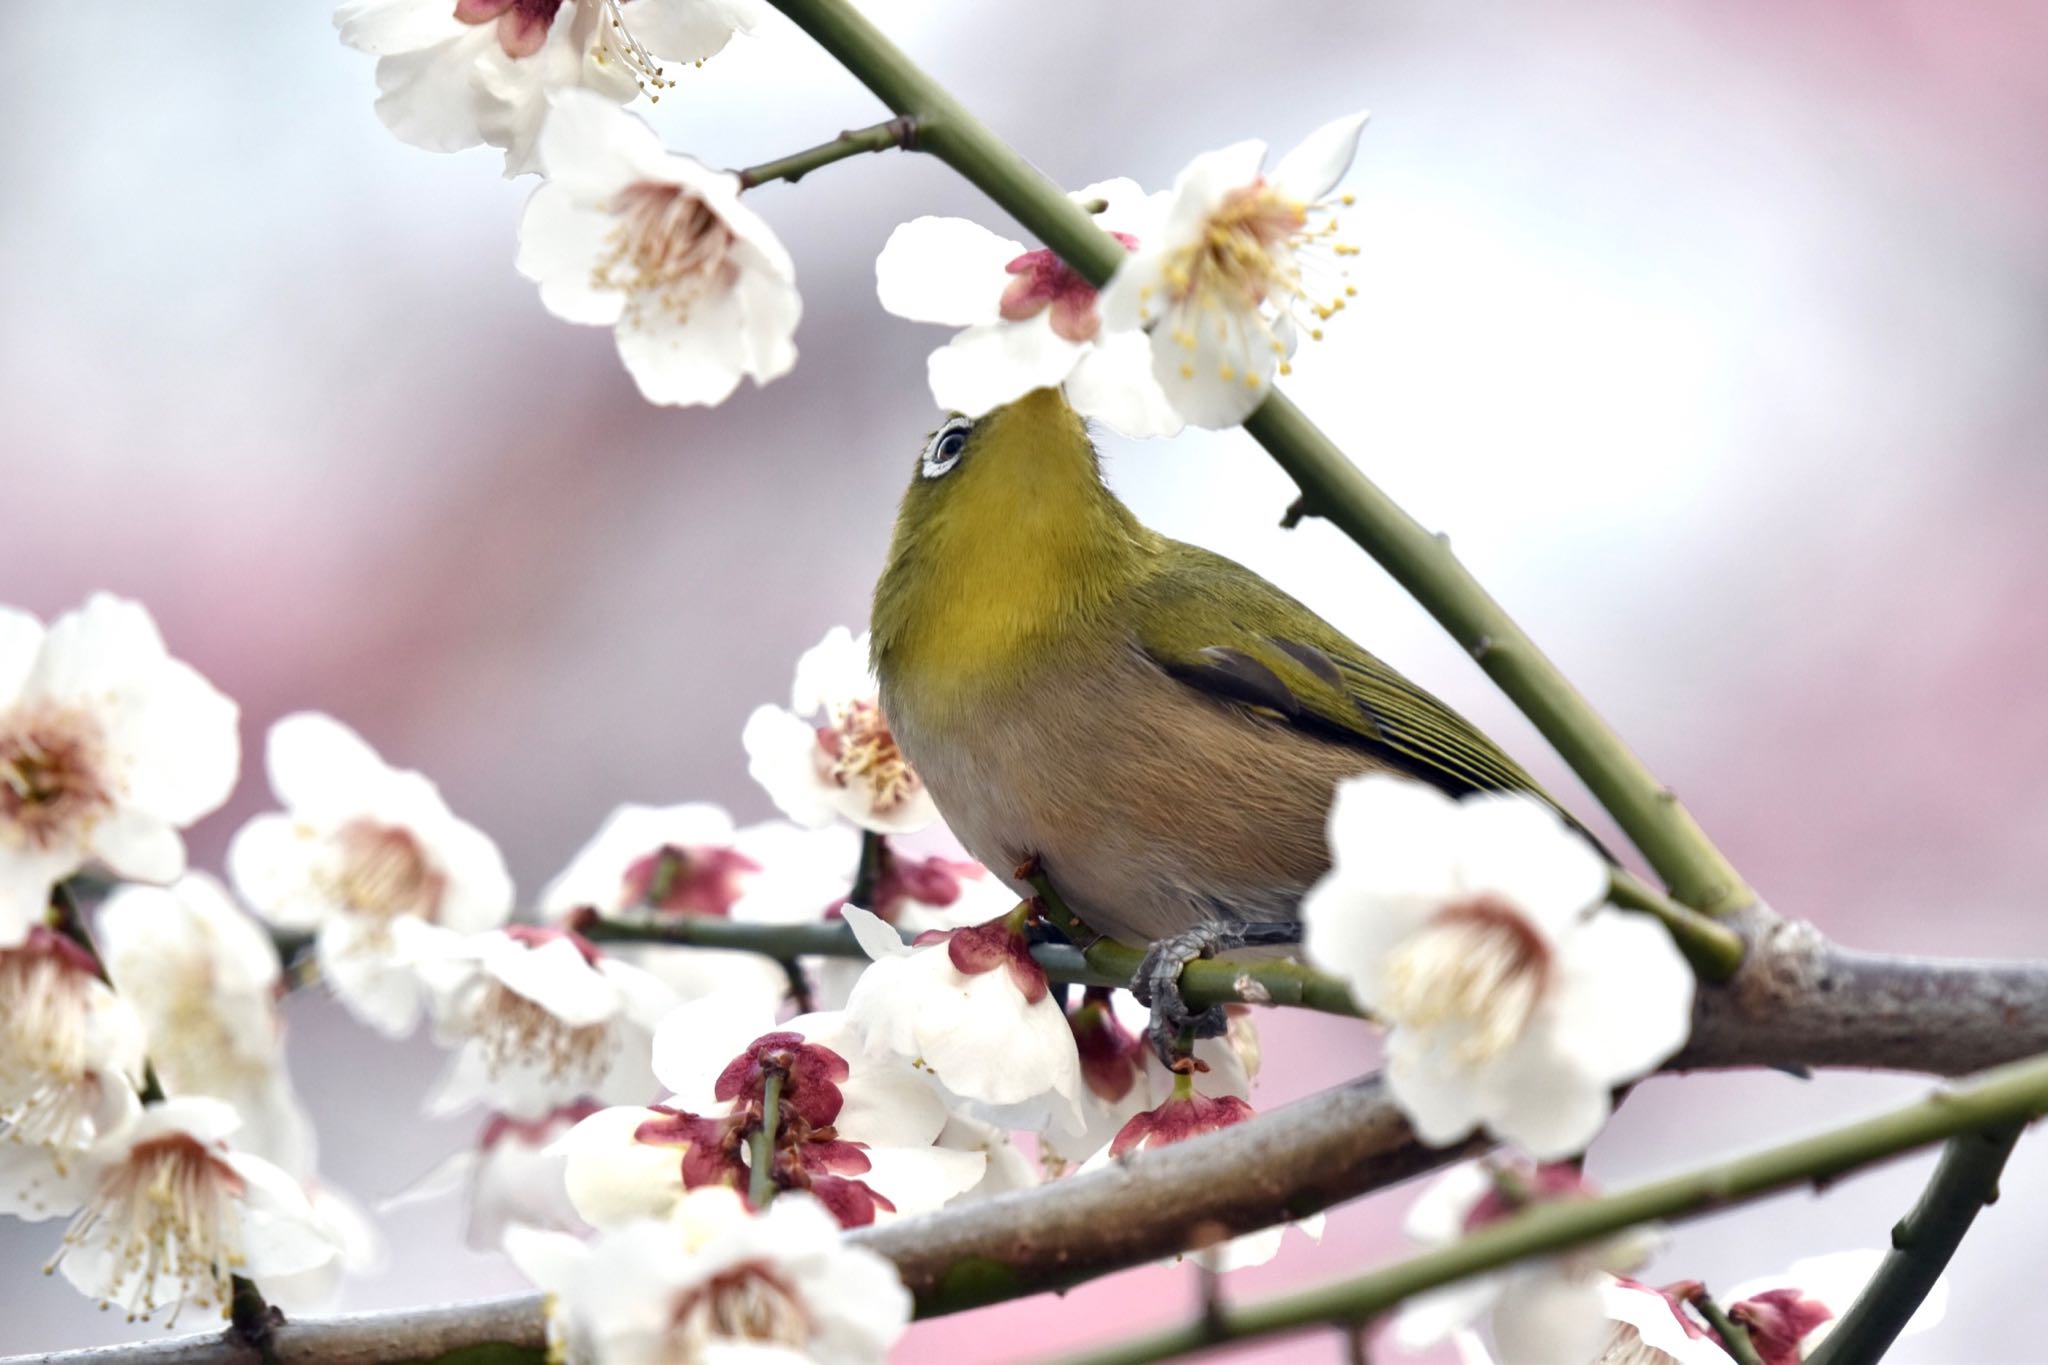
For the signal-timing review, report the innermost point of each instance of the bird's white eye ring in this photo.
(947, 445)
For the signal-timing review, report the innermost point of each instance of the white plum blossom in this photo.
(915, 895)
(854, 1129)
(716, 1283)
(1008, 1168)
(358, 1250)
(698, 290)
(514, 1174)
(972, 1011)
(831, 755)
(108, 747)
(451, 76)
(1224, 286)
(205, 979)
(1476, 932)
(541, 1017)
(167, 1211)
(659, 862)
(1028, 319)
(370, 860)
(1543, 1311)
(71, 1050)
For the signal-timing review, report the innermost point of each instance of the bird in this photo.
(1155, 730)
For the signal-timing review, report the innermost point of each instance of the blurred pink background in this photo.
(1713, 334)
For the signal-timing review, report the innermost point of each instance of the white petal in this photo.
(1204, 183)
(271, 861)
(321, 770)
(685, 360)
(944, 270)
(1622, 997)
(1113, 384)
(561, 242)
(592, 149)
(1428, 1318)
(1215, 365)
(386, 26)
(833, 672)
(613, 1179)
(922, 1179)
(21, 640)
(137, 846)
(1544, 1103)
(995, 363)
(26, 876)
(1313, 169)
(1437, 1217)
(781, 756)
(1545, 1317)
(1515, 847)
(877, 938)
(427, 97)
(696, 1041)
(479, 892)
(687, 30)
(549, 1259)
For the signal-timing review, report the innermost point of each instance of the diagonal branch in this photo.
(1337, 489)
(1964, 1183)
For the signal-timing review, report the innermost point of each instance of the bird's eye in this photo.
(946, 446)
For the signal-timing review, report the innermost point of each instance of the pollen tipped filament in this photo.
(1477, 968)
(53, 779)
(858, 748)
(668, 250)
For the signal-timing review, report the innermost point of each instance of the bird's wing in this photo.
(1224, 631)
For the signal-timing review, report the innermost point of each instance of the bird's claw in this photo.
(1157, 984)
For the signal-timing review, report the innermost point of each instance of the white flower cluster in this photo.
(644, 1091)
(1225, 272)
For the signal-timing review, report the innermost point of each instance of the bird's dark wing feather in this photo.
(1225, 631)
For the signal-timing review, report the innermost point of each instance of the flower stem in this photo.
(1965, 1180)
(252, 1319)
(1646, 810)
(1714, 949)
(1994, 1100)
(67, 917)
(1106, 963)
(879, 137)
(874, 865)
(761, 1178)
(1734, 1336)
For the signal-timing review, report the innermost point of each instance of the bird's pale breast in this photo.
(1151, 806)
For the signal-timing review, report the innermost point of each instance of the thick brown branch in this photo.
(1798, 1001)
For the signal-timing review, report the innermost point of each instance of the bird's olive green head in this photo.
(1005, 533)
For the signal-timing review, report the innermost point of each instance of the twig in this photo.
(1965, 1181)
(875, 858)
(761, 1178)
(1734, 1336)
(880, 137)
(1645, 809)
(2008, 1095)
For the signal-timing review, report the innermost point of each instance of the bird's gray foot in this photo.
(1157, 982)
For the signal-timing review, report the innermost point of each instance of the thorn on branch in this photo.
(1297, 511)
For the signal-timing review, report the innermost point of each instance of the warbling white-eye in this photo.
(1160, 729)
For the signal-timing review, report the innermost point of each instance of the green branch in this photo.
(1423, 564)
(1105, 963)
(880, 137)
(761, 1178)
(1965, 1180)
(1995, 1100)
